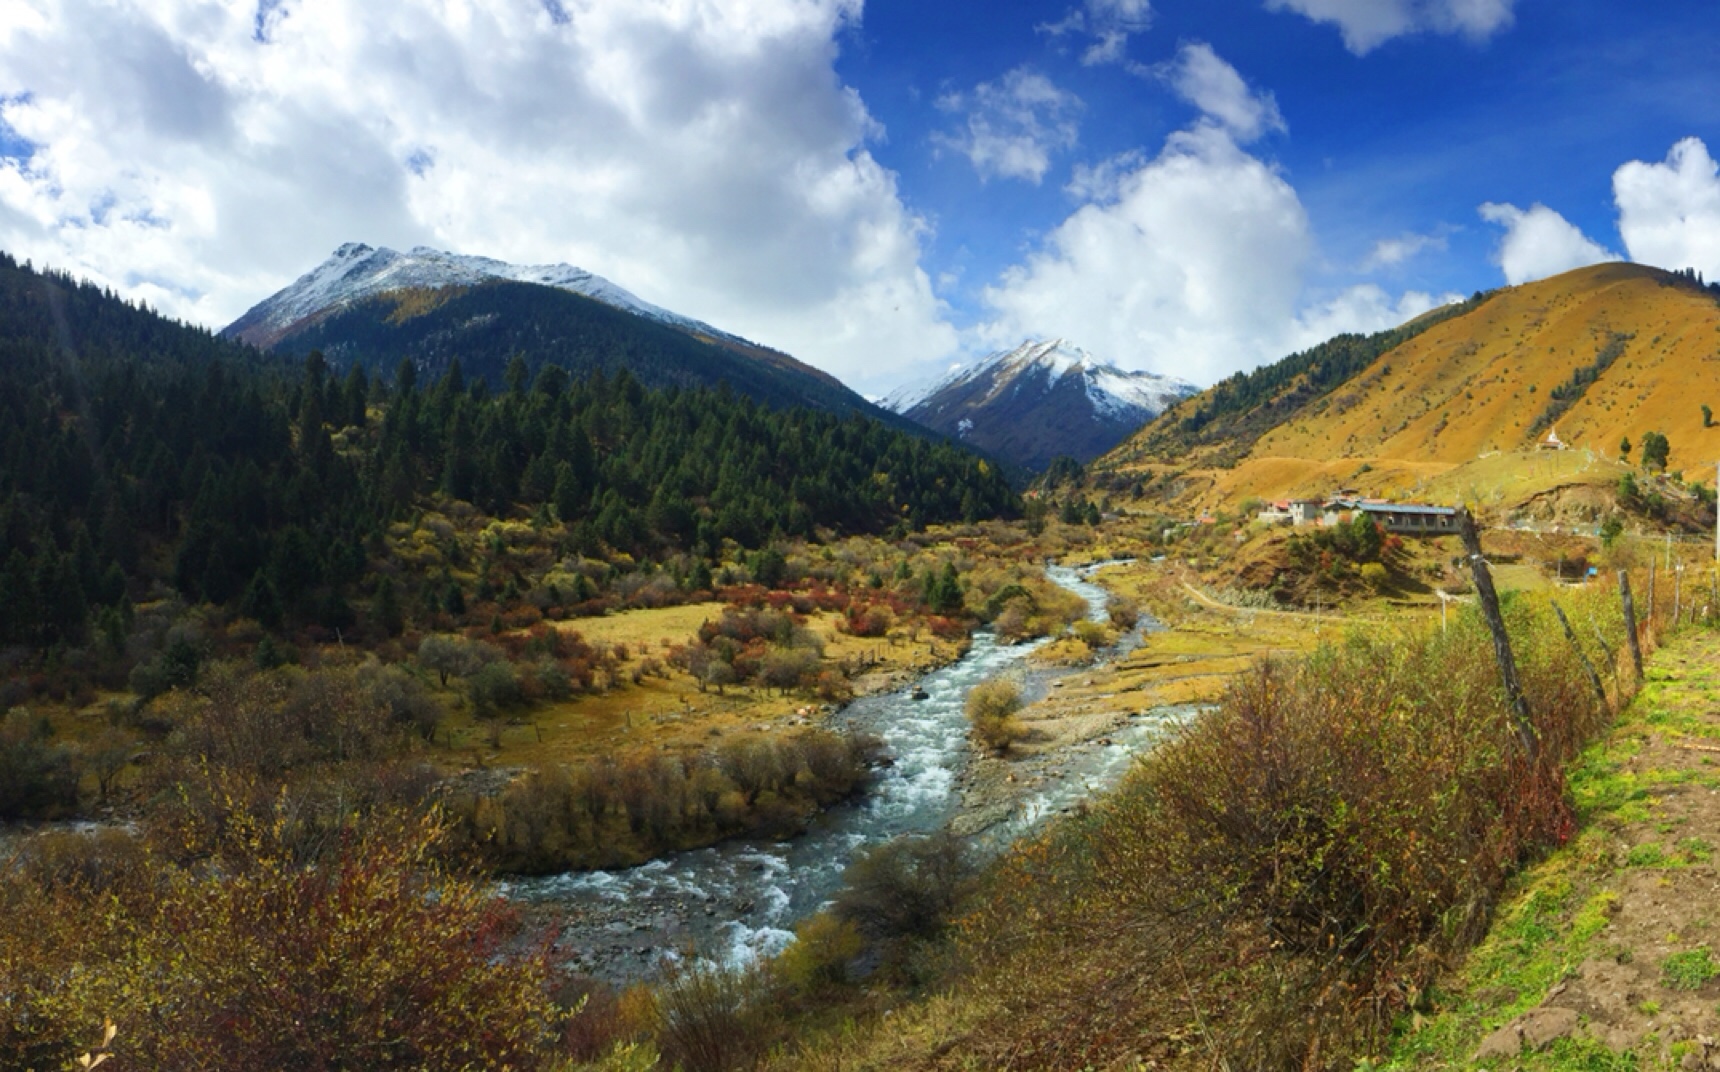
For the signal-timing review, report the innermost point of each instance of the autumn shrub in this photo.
(609, 810)
(1093, 635)
(821, 956)
(38, 778)
(991, 708)
(1292, 864)
(868, 620)
(1123, 612)
(904, 894)
(494, 688)
(711, 1019)
(374, 957)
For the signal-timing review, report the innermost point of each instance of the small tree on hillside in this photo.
(450, 655)
(1655, 451)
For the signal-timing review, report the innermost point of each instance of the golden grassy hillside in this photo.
(1476, 384)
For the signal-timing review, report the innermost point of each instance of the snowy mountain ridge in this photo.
(1111, 389)
(356, 271)
(1045, 397)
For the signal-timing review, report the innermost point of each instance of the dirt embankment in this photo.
(1607, 955)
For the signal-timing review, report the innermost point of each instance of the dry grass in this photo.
(1274, 884)
(1476, 384)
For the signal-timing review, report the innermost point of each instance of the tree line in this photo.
(140, 458)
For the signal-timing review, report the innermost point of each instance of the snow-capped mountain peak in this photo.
(1045, 397)
(356, 271)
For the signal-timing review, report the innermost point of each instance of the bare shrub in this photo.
(710, 1020)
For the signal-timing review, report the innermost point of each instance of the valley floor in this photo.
(1602, 957)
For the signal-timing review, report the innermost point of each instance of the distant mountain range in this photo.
(1038, 401)
(377, 307)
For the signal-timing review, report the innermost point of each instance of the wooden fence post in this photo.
(1582, 657)
(1648, 615)
(1630, 622)
(1677, 594)
(1489, 600)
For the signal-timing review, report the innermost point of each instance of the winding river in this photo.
(737, 901)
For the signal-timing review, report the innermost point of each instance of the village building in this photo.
(1412, 519)
(1406, 519)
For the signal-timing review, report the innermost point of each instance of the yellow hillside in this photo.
(1473, 386)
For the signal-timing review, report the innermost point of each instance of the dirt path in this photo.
(1607, 955)
(1207, 601)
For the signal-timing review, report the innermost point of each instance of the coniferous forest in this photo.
(139, 456)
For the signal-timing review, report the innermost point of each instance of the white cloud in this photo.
(1192, 269)
(1362, 309)
(701, 153)
(1391, 252)
(1200, 77)
(1103, 181)
(1106, 25)
(1190, 263)
(1669, 213)
(1367, 24)
(1011, 128)
(1539, 242)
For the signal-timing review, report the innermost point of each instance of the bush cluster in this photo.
(1295, 863)
(367, 956)
(607, 811)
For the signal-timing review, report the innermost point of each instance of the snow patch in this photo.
(356, 271)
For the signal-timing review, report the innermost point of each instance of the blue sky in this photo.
(881, 188)
(1404, 139)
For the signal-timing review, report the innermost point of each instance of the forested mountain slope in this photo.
(431, 308)
(140, 457)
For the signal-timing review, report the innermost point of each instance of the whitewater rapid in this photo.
(738, 901)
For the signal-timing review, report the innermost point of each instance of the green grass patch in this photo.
(1688, 970)
(1648, 854)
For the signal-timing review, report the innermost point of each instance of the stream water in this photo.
(737, 901)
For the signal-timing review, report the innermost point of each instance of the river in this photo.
(737, 901)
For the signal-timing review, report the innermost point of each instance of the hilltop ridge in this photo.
(1601, 354)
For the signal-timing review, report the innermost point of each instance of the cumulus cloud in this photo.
(1206, 81)
(1105, 27)
(1103, 181)
(1539, 242)
(1367, 24)
(1391, 252)
(1669, 212)
(1362, 309)
(1011, 128)
(1190, 263)
(1192, 270)
(701, 153)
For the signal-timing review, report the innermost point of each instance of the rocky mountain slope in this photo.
(1038, 401)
